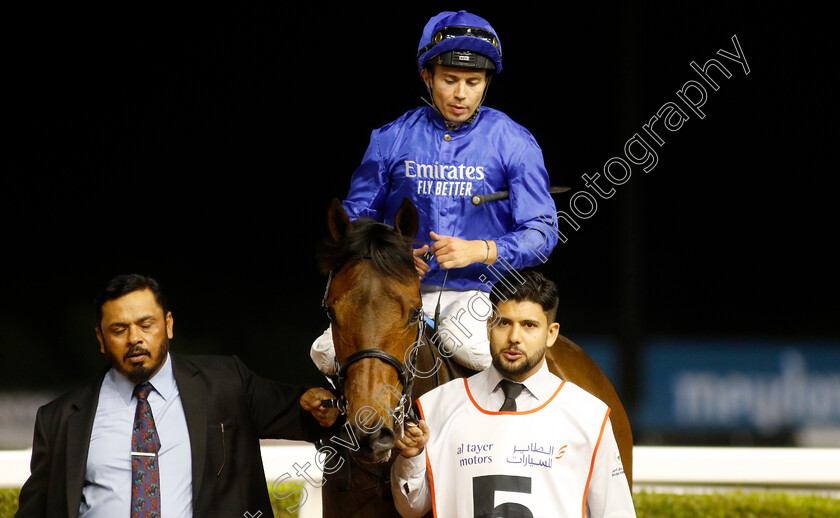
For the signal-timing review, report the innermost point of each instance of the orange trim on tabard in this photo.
(428, 464)
(592, 464)
(524, 412)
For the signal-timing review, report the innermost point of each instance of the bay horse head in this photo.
(373, 302)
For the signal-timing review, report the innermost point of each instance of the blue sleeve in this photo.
(369, 185)
(531, 239)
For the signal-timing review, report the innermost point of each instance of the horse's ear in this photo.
(338, 222)
(406, 221)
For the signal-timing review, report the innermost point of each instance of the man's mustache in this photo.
(135, 351)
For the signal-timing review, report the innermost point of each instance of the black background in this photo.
(202, 145)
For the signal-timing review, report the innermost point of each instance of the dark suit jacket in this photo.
(227, 469)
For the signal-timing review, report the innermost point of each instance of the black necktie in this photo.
(511, 390)
(145, 478)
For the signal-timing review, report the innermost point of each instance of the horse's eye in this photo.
(330, 313)
(416, 315)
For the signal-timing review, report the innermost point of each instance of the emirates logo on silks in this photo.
(444, 179)
(561, 451)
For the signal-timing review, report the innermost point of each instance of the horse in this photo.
(386, 357)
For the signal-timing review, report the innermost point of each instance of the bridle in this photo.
(404, 410)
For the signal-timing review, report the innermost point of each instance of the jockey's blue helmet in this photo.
(460, 39)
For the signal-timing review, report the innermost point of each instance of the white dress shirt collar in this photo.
(542, 384)
(539, 388)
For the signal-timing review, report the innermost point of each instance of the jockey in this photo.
(439, 156)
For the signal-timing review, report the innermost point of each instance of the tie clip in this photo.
(144, 454)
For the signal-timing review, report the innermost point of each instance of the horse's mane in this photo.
(390, 252)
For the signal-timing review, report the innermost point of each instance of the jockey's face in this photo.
(457, 92)
(519, 338)
(134, 334)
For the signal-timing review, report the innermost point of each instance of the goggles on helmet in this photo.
(455, 32)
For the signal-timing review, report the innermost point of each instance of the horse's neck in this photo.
(429, 356)
(456, 370)
(425, 364)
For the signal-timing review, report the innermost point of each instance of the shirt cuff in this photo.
(410, 470)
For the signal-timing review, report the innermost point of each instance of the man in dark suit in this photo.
(199, 455)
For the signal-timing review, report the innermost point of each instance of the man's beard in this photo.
(139, 374)
(530, 362)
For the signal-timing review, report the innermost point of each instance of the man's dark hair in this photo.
(528, 285)
(125, 284)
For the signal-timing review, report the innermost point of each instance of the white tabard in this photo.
(535, 463)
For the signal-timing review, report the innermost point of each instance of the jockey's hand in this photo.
(419, 263)
(414, 440)
(311, 402)
(454, 252)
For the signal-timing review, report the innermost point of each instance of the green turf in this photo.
(8, 502)
(650, 505)
(752, 504)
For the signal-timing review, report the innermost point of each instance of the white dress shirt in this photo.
(409, 478)
(107, 487)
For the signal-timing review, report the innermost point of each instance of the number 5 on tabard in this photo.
(484, 492)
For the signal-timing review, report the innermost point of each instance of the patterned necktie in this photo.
(145, 477)
(511, 390)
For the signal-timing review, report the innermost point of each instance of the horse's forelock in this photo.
(389, 252)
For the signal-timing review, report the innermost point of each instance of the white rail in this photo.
(771, 467)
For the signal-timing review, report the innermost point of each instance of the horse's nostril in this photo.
(382, 439)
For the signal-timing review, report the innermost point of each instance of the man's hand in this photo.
(454, 252)
(414, 440)
(419, 263)
(311, 402)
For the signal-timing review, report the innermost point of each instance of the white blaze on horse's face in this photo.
(519, 338)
